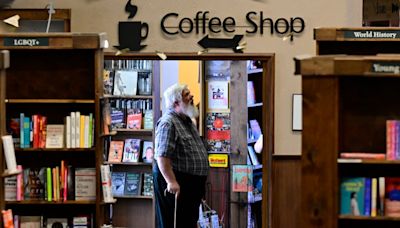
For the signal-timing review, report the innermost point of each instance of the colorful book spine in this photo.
(374, 197)
(367, 197)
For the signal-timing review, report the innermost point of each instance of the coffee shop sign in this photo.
(203, 23)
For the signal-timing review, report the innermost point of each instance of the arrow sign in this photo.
(221, 43)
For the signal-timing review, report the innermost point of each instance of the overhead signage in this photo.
(131, 34)
(369, 34)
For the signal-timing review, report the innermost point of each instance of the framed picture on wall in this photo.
(297, 120)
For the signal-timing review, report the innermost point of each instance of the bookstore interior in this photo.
(78, 139)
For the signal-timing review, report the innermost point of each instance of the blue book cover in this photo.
(27, 132)
(352, 191)
(367, 198)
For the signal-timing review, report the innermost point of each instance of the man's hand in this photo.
(174, 188)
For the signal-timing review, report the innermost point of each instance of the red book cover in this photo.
(134, 121)
(42, 131)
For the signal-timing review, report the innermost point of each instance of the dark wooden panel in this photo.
(319, 184)
(286, 187)
(68, 76)
(133, 213)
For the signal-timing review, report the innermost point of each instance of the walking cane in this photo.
(176, 205)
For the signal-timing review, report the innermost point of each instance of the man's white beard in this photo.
(190, 110)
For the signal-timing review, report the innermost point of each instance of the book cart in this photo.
(233, 206)
(52, 76)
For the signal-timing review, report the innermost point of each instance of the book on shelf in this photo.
(117, 114)
(85, 184)
(55, 136)
(125, 83)
(118, 183)
(392, 200)
(255, 129)
(352, 192)
(115, 151)
(217, 95)
(131, 150)
(363, 155)
(133, 119)
(251, 94)
(148, 184)
(148, 119)
(133, 184)
(108, 81)
(106, 183)
(8, 221)
(10, 188)
(147, 151)
(14, 131)
(242, 178)
(252, 155)
(57, 222)
(34, 183)
(26, 221)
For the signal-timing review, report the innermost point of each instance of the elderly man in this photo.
(181, 166)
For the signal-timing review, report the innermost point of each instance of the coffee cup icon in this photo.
(131, 34)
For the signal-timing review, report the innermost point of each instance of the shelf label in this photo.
(26, 41)
(372, 34)
(386, 67)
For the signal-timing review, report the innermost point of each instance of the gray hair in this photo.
(173, 94)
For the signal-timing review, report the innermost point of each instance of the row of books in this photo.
(130, 150)
(131, 184)
(392, 139)
(60, 183)
(35, 132)
(127, 114)
(366, 196)
(41, 221)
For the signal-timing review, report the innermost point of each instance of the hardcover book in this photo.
(148, 184)
(131, 150)
(352, 196)
(118, 183)
(133, 184)
(85, 184)
(34, 183)
(147, 151)
(55, 136)
(392, 199)
(115, 151)
(242, 178)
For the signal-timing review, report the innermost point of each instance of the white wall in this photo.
(104, 15)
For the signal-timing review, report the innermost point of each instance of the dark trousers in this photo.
(192, 191)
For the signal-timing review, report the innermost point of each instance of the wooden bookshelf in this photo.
(139, 202)
(346, 103)
(56, 75)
